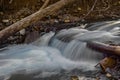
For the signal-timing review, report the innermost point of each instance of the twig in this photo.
(10, 1)
(106, 4)
(90, 9)
(1, 2)
(104, 9)
(45, 4)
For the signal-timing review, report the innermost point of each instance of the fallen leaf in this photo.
(108, 62)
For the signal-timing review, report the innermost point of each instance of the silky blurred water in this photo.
(57, 56)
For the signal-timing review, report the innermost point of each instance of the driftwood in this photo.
(104, 48)
(10, 30)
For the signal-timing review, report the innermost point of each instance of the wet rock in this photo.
(32, 36)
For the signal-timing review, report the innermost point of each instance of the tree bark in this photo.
(10, 30)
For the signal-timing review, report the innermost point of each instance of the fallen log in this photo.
(104, 48)
(10, 30)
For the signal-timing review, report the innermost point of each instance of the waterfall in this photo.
(65, 50)
(72, 43)
(105, 25)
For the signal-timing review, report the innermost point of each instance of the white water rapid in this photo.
(65, 50)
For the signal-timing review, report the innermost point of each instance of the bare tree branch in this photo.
(12, 29)
(90, 9)
(45, 4)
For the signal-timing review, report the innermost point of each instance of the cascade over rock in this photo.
(65, 50)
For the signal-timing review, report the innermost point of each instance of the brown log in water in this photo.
(104, 48)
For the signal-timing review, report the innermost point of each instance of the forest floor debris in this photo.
(110, 69)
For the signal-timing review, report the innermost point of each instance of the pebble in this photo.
(5, 21)
(108, 75)
(22, 32)
(79, 9)
(1, 13)
(67, 21)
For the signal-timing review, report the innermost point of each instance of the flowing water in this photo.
(57, 56)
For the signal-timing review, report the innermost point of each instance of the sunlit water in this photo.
(57, 54)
